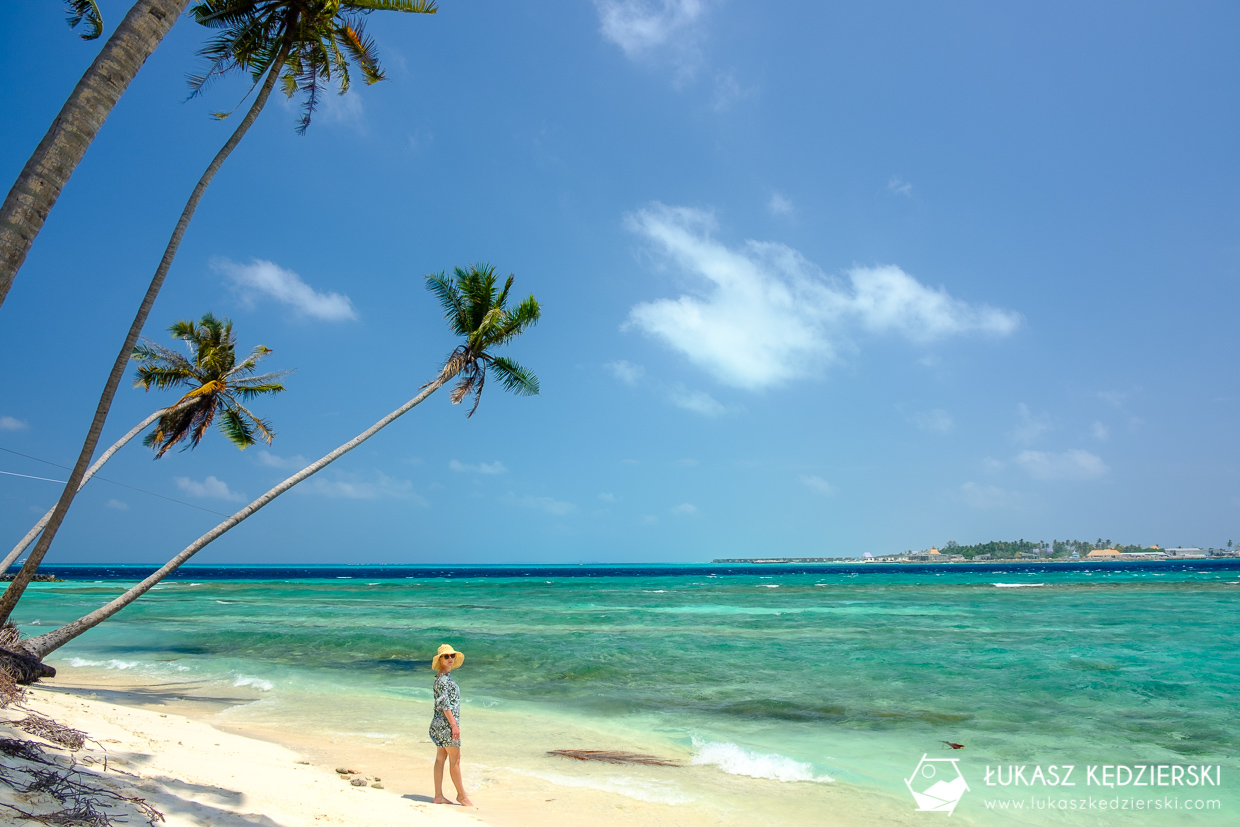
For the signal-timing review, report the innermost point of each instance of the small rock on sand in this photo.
(358, 782)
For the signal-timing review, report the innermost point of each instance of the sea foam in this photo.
(736, 760)
(106, 664)
(1017, 585)
(257, 683)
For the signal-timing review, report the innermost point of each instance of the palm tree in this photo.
(56, 157)
(218, 385)
(476, 311)
(215, 381)
(306, 44)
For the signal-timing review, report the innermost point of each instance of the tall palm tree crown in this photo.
(317, 41)
(476, 311)
(218, 384)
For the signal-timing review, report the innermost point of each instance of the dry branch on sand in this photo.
(50, 730)
(78, 796)
(608, 756)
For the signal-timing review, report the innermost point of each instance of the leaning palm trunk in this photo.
(63, 147)
(15, 590)
(41, 646)
(94, 469)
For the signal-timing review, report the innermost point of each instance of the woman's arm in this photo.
(456, 730)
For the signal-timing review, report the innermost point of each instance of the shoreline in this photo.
(198, 760)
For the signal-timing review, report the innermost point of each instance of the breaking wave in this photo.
(736, 760)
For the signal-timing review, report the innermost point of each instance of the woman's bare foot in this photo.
(439, 799)
(465, 802)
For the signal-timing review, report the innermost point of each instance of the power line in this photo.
(105, 479)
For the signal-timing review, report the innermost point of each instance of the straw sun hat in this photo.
(447, 649)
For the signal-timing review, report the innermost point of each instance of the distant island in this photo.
(1010, 551)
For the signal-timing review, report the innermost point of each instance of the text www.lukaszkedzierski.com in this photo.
(1092, 803)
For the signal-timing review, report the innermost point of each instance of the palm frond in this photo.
(515, 378)
(411, 6)
(262, 426)
(362, 49)
(515, 322)
(169, 430)
(450, 300)
(238, 431)
(77, 11)
(253, 391)
(482, 380)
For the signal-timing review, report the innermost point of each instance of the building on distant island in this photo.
(1184, 553)
(1104, 554)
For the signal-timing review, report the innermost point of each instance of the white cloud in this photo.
(8, 423)
(687, 462)
(607, 497)
(627, 372)
(779, 205)
(936, 421)
(900, 187)
(552, 506)
(1067, 465)
(1029, 425)
(642, 26)
(374, 485)
(762, 315)
(496, 467)
(649, 519)
(818, 484)
(210, 488)
(684, 510)
(266, 279)
(697, 401)
(992, 465)
(118, 505)
(293, 463)
(1101, 432)
(990, 496)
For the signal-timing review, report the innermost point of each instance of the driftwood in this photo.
(608, 756)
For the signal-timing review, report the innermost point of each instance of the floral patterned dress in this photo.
(447, 696)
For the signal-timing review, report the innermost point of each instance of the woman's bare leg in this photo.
(454, 767)
(441, 755)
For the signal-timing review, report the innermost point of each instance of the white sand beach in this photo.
(196, 774)
(198, 767)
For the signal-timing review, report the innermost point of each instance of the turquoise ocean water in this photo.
(814, 676)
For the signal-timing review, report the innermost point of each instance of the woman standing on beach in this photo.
(446, 725)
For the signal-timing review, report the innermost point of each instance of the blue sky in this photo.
(815, 281)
